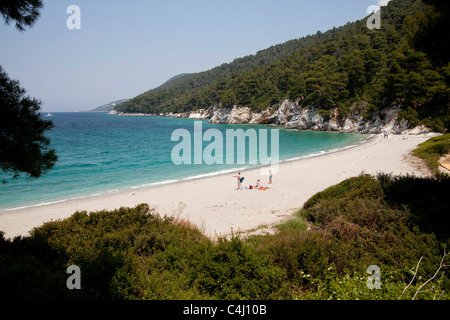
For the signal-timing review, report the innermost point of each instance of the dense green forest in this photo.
(347, 69)
(183, 92)
(134, 253)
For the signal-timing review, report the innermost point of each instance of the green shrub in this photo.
(360, 222)
(433, 149)
(231, 270)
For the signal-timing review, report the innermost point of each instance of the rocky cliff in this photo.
(291, 115)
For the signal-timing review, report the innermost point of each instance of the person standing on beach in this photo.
(239, 181)
(270, 176)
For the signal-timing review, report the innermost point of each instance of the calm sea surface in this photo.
(100, 153)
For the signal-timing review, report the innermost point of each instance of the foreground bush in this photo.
(386, 221)
(133, 253)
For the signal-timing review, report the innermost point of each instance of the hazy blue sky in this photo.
(127, 47)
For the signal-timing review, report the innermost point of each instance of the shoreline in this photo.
(213, 204)
(188, 178)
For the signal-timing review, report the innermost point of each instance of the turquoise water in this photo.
(100, 153)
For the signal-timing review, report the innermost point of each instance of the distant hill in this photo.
(175, 77)
(109, 106)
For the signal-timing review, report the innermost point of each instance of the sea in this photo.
(100, 154)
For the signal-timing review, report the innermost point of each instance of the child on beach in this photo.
(239, 180)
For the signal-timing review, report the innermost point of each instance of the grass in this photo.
(432, 150)
(296, 223)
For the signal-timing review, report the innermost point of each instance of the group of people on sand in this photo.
(258, 185)
(385, 135)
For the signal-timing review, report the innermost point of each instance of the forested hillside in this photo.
(182, 93)
(347, 69)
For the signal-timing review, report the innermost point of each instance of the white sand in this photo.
(217, 208)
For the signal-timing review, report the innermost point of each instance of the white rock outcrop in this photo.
(291, 115)
(232, 115)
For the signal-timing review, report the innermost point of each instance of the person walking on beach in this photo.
(270, 176)
(239, 180)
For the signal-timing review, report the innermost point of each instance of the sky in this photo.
(124, 48)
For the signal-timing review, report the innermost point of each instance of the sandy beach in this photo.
(215, 206)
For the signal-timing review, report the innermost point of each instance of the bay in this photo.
(100, 153)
